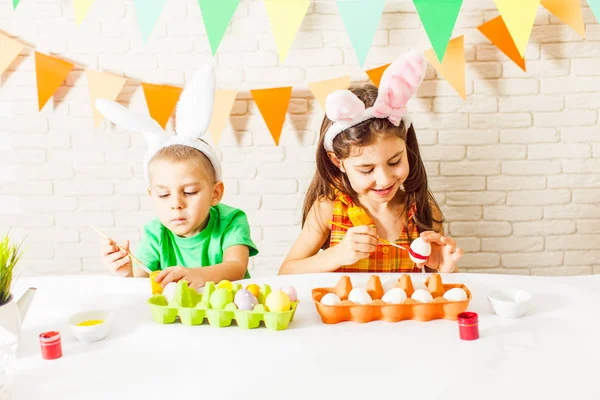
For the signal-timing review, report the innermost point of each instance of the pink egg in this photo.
(291, 292)
(245, 300)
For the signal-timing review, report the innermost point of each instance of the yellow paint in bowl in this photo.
(91, 322)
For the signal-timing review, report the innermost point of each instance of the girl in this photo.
(370, 185)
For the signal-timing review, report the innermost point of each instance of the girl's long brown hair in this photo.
(328, 177)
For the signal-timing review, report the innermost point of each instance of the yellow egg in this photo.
(254, 289)
(277, 301)
(225, 284)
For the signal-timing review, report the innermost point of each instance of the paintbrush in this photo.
(130, 254)
(380, 239)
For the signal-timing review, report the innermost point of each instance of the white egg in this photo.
(419, 251)
(419, 285)
(422, 296)
(455, 294)
(359, 296)
(394, 296)
(169, 291)
(330, 299)
(389, 285)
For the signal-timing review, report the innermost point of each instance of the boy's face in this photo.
(377, 172)
(183, 194)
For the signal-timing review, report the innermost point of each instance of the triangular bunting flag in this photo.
(569, 11)
(9, 50)
(103, 86)
(161, 101)
(147, 12)
(15, 3)
(82, 7)
(375, 74)
(322, 89)
(286, 17)
(361, 18)
(50, 73)
(595, 7)
(519, 17)
(438, 18)
(216, 16)
(453, 66)
(273, 105)
(224, 100)
(497, 32)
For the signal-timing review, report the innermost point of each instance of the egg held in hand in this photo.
(419, 251)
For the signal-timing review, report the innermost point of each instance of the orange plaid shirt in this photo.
(386, 258)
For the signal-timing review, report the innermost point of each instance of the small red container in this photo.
(51, 345)
(468, 326)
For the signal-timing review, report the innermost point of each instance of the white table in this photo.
(551, 353)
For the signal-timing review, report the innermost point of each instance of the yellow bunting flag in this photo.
(452, 67)
(519, 16)
(273, 105)
(82, 7)
(375, 74)
(224, 100)
(9, 51)
(569, 11)
(285, 16)
(161, 101)
(497, 32)
(322, 89)
(103, 86)
(50, 73)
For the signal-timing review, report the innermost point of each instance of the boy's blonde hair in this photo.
(178, 153)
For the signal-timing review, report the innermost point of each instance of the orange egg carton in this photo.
(410, 309)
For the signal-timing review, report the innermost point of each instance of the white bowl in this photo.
(92, 333)
(509, 303)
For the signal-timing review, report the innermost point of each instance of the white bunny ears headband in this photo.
(398, 84)
(193, 114)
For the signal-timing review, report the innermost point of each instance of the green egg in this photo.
(220, 298)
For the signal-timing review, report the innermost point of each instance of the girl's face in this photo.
(377, 171)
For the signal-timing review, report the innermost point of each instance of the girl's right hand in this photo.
(359, 243)
(116, 260)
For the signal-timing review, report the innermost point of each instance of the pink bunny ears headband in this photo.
(193, 114)
(398, 84)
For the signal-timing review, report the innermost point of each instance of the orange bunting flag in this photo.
(9, 51)
(452, 67)
(568, 11)
(224, 100)
(375, 74)
(273, 105)
(322, 89)
(50, 73)
(161, 101)
(103, 86)
(497, 32)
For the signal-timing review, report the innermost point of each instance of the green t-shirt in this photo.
(227, 226)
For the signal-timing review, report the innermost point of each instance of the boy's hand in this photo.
(116, 260)
(193, 276)
(358, 243)
(444, 253)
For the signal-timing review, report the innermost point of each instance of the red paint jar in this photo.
(468, 326)
(51, 345)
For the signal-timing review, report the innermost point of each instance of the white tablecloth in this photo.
(553, 352)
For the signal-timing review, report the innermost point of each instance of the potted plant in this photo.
(10, 254)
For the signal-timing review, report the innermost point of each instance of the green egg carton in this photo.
(193, 308)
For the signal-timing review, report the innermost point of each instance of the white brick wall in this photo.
(514, 166)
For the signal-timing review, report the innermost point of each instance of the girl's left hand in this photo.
(444, 253)
(174, 274)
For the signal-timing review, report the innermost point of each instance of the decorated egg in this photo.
(359, 296)
(277, 301)
(419, 251)
(455, 294)
(169, 291)
(422, 296)
(224, 284)
(220, 298)
(244, 300)
(291, 292)
(330, 299)
(394, 296)
(254, 289)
